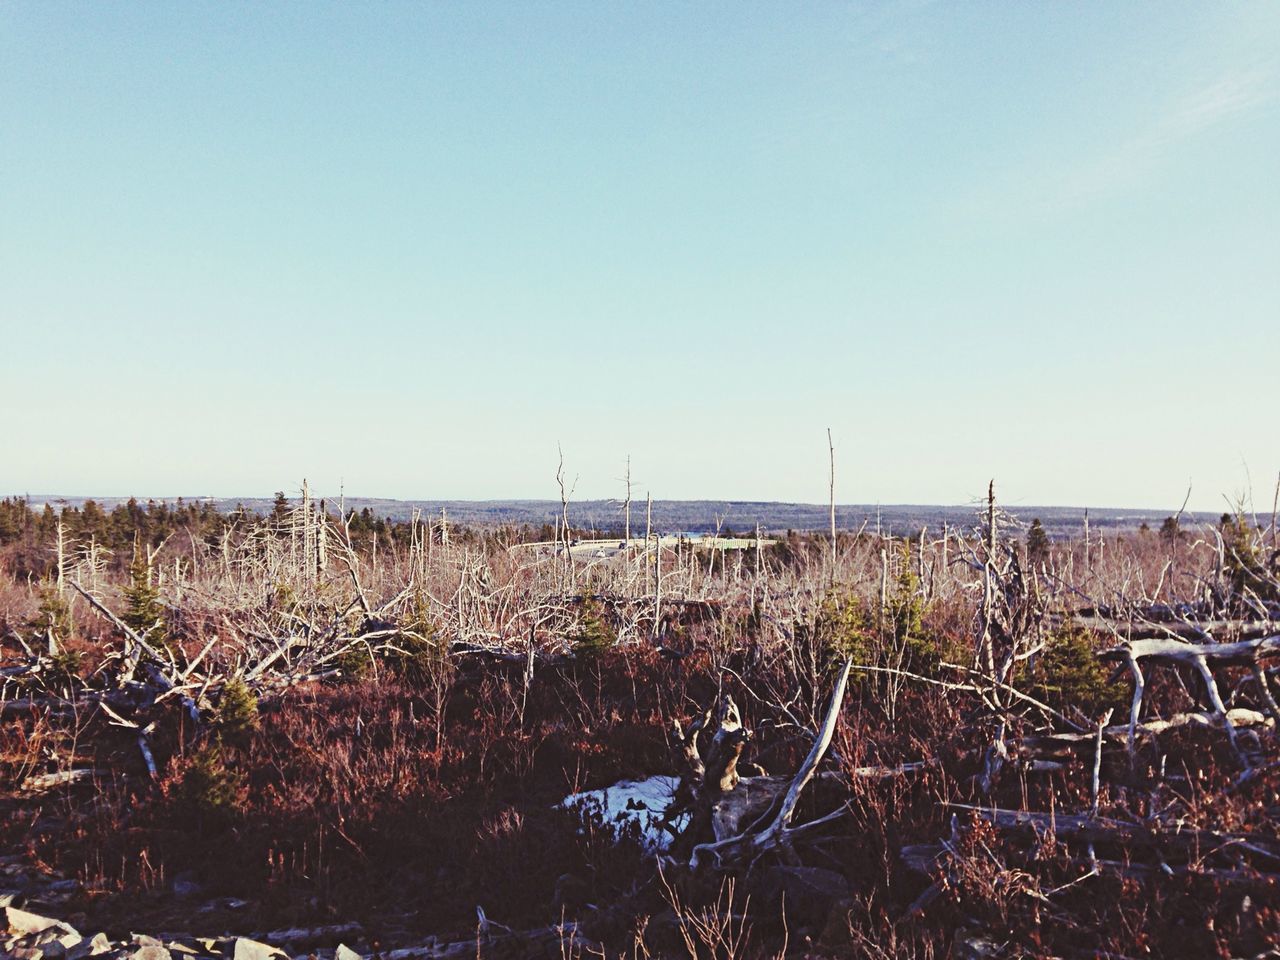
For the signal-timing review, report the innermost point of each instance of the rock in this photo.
(185, 885)
(974, 945)
(242, 948)
(807, 894)
(142, 940)
(151, 953)
(55, 943)
(346, 953)
(745, 803)
(26, 953)
(298, 938)
(89, 948)
(24, 924)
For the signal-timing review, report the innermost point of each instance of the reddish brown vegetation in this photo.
(405, 803)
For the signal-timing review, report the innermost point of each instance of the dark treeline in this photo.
(29, 535)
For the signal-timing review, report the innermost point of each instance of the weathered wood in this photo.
(1064, 746)
(46, 782)
(1085, 828)
(778, 834)
(1200, 657)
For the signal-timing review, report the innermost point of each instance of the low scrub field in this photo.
(311, 728)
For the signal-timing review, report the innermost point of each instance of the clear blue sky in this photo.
(411, 247)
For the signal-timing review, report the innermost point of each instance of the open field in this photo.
(296, 728)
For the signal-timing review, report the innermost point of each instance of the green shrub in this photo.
(65, 667)
(53, 616)
(1245, 567)
(421, 655)
(1069, 677)
(1038, 543)
(237, 714)
(912, 645)
(592, 634)
(207, 787)
(145, 614)
(354, 664)
(844, 630)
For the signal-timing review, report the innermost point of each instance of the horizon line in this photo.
(824, 505)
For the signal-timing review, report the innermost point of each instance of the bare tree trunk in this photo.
(322, 541)
(831, 452)
(62, 561)
(648, 533)
(308, 552)
(627, 512)
(946, 536)
(986, 650)
(657, 579)
(564, 520)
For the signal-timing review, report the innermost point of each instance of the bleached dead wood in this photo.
(778, 834)
(1089, 829)
(46, 782)
(1200, 657)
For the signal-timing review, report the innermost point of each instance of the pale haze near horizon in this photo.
(407, 249)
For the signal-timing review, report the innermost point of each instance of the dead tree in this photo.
(734, 821)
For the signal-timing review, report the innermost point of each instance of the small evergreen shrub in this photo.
(1070, 678)
(237, 714)
(65, 667)
(53, 616)
(421, 655)
(354, 664)
(844, 630)
(592, 634)
(145, 614)
(207, 787)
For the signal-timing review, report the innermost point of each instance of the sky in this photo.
(415, 250)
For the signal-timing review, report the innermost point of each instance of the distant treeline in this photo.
(29, 533)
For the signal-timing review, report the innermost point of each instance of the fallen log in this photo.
(1065, 746)
(46, 782)
(1089, 829)
(1198, 656)
(1150, 628)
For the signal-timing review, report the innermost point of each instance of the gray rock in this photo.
(97, 944)
(242, 948)
(21, 923)
(55, 943)
(975, 945)
(186, 885)
(151, 953)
